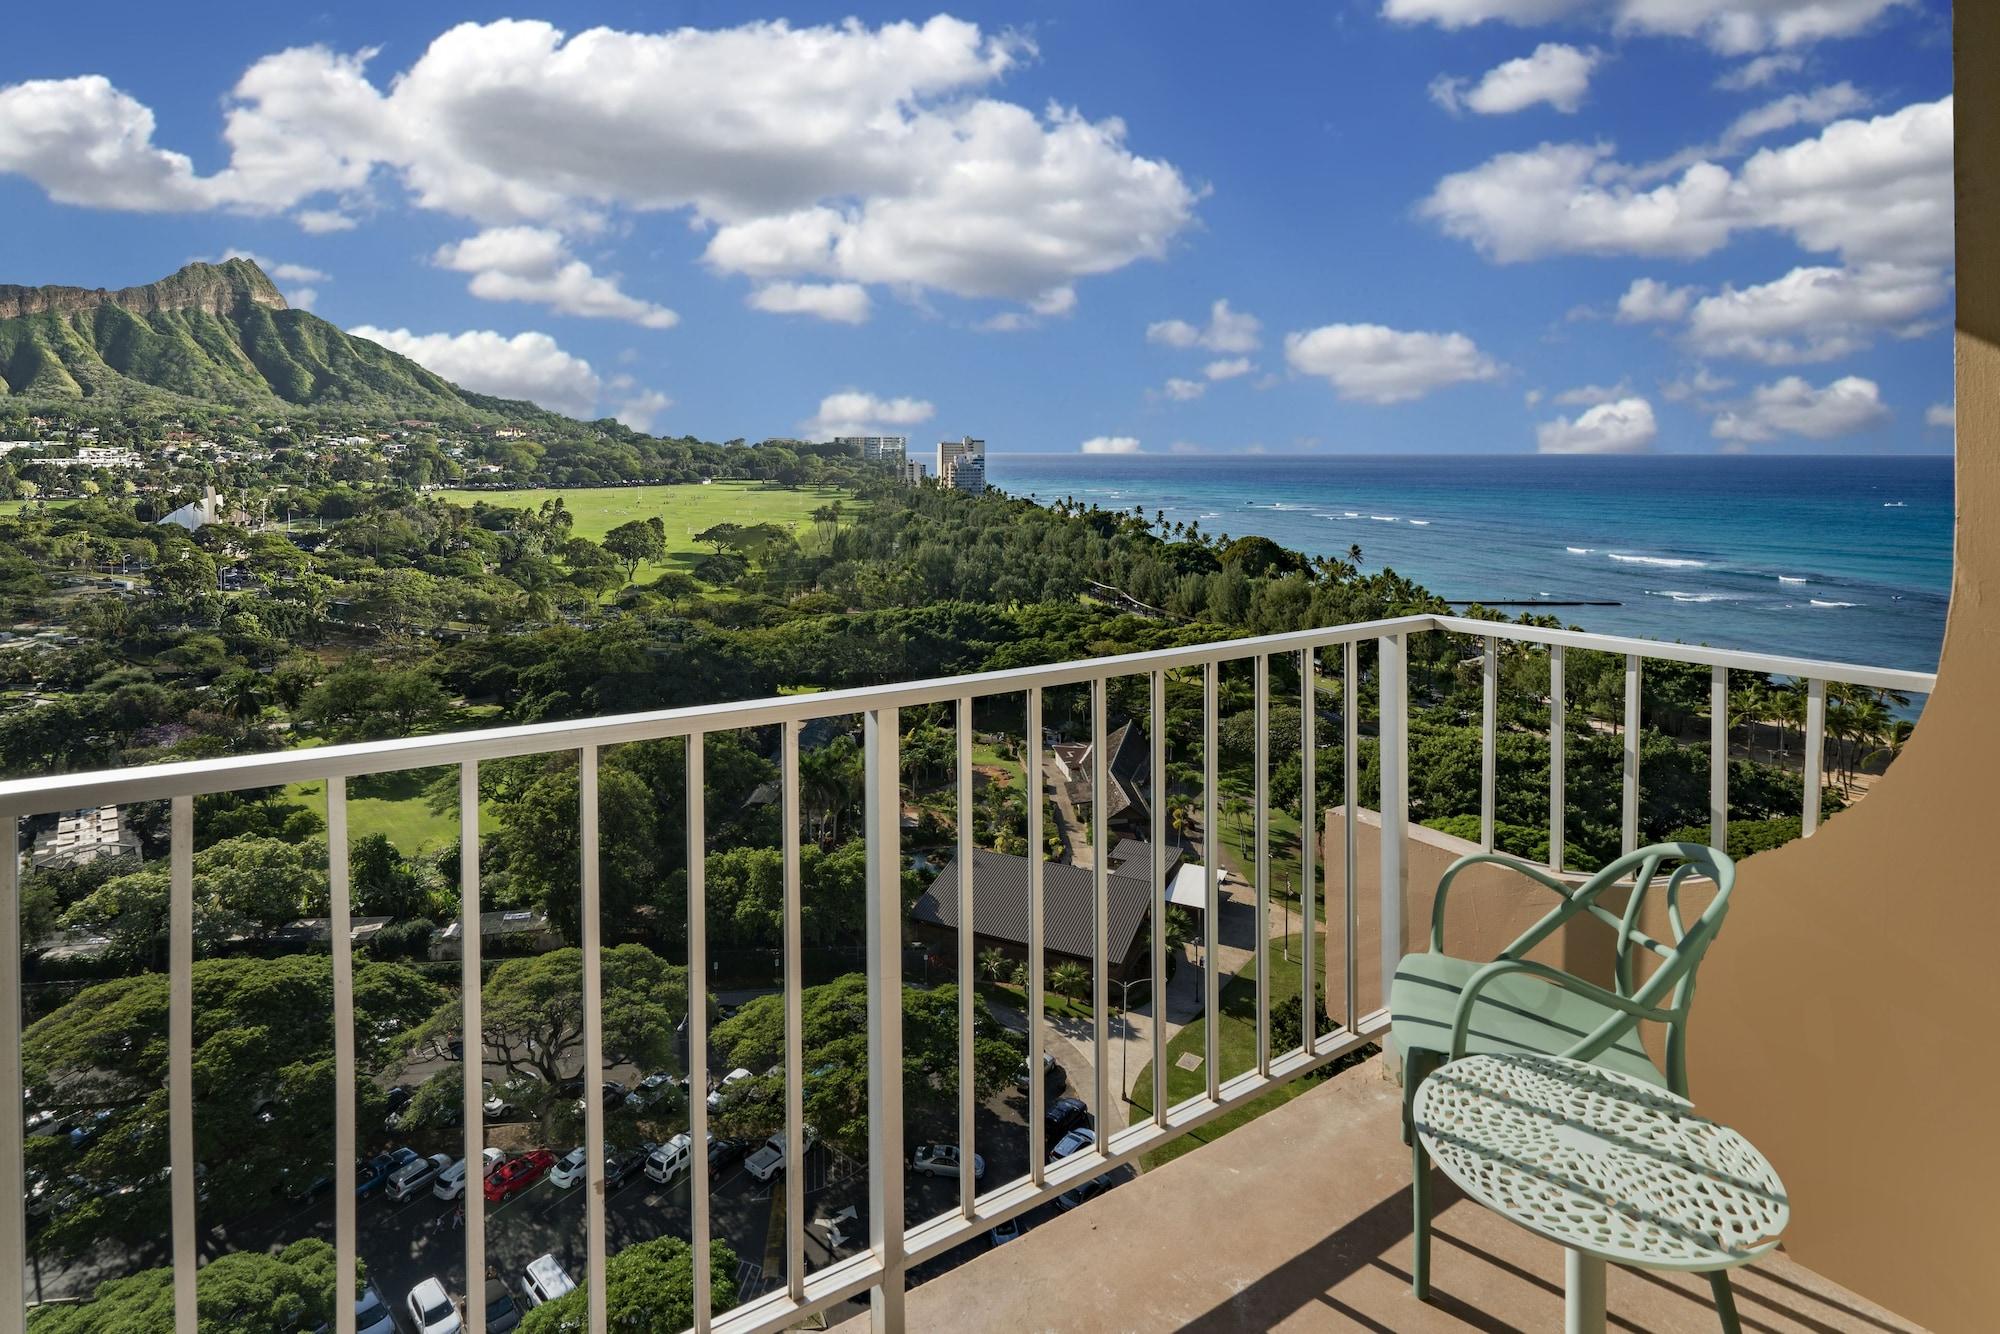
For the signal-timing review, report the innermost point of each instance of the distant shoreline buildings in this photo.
(961, 463)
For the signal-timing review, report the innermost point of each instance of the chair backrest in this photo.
(1670, 987)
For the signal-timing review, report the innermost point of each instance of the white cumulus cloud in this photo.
(1815, 313)
(1109, 444)
(642, 409)
(1621, 426)
(1757, 72)
(534, 264)
(1554, 73)
(1226, 331)
(1228, 368)
(1732, 27)
(855, 412)
(528, 365)
(1877, 189)
(1941, 414)
(1648, 300)
(1182, 390)
(840, 303)
(1793, 407)
(1374, 364)
(838, 153)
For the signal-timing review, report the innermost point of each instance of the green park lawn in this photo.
(12, 507)
(1237, 1047)
(685, 509)
(393, 804)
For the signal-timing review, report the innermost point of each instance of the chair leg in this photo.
(1725, 1301)
(1420, 1222)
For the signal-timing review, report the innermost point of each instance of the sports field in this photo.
(685, 509)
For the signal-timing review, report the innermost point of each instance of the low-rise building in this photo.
(84, 836)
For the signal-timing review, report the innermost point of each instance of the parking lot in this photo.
(401, 1243)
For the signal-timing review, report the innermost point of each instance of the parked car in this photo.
(298, 1187)
(624, 1166)
(723, 1152)
(649, 1091)
(669, 1159)
(717, 1094)
(1083, 1192)
(506, 1100)
(450, 1183)
(768, 1161)
(502, 1312)
(517, 1174)
(377, 1171)
(431, 1309)
(1003, 1233)
(412, 1178)
(1062, 1116)
(398, 1097)
(87, 1125)
(1048, 1068)
(372, 1314)
(941, 1160)
(570, 1170)
(546, 1281)
(1076, 1141)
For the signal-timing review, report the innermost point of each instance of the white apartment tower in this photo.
(961, 464)
(878, 448)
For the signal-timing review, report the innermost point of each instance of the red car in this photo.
(517, 1174)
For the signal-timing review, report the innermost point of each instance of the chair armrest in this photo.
(1527, 869)
(1583, 1048)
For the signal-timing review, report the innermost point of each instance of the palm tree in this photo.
(1789, 708)
(241, 695)
(1354, 553)
(994, 965)
(1069, 979)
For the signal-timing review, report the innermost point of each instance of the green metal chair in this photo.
(1442, 1007)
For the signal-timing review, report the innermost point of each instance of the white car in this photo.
(432, 1310)
(450, 1183)
(669, 1159)
(570, 1170)
(372, 1314)
(941, 1160)
(547, 1280)
(768, 1161)
(734, 1077)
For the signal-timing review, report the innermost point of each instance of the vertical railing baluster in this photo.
(795, 1117)
(1392, 691)
(1489, 741)
(1211, 854)
(1718, 758)
(697, 1059)
(344, 1147)
(967, 1187)
(1815, 756)
(180, 1056)
(1629, 824)
(881, 814)
(1262, 815)
(1350, 799)
(1156, 712)
(472, 1043)
(1308, 841)
(590, 940)
(1100, 904)
(13, 1127)
(1033, 781)
(1558, 747)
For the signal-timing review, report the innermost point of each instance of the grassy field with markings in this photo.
(685, 509)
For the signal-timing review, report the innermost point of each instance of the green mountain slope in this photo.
(212, 333)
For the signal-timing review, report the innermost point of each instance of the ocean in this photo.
(1839, 558)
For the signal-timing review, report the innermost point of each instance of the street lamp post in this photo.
(1125, 1013)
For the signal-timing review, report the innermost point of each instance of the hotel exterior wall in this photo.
(1846, 1017)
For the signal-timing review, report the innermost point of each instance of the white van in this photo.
(669, 1159)
(546, 1281)
(415, 1176)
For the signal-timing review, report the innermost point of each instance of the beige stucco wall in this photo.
(1846, 1018)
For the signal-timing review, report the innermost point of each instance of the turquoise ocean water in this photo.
(1840, 558)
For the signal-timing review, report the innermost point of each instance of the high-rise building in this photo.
(961, 464)
(913, 472)
(877, 448)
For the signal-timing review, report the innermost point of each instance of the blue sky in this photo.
(1434, 225)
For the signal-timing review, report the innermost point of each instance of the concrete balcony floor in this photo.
(1301, 1221)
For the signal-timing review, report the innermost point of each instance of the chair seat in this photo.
(1514, 1013)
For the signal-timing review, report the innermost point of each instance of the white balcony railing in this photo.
(880, 1271)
